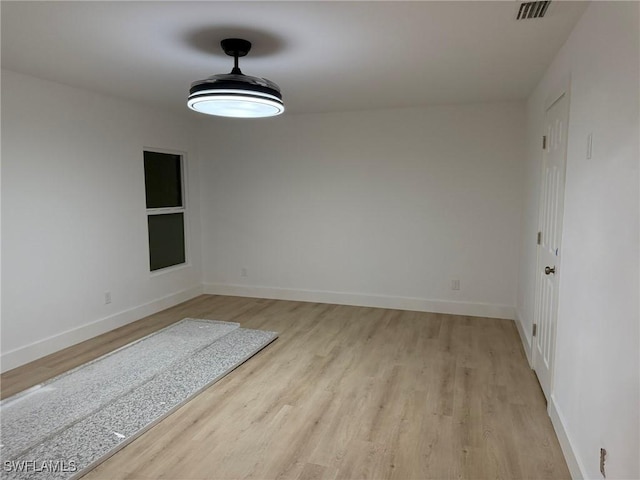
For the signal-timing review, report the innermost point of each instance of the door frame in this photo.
(562, 88)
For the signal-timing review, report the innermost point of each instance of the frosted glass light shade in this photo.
(233, 95)
(235, 103)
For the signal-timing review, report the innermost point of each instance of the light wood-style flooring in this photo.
(344, 393)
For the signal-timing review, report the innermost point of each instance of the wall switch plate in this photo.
(455, 284)
(244, 272)
(107, 298)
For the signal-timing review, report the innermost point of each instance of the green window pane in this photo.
(166, 240)
(162, 180)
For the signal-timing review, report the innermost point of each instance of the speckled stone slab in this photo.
(69, 424)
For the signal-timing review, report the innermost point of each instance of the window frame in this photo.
(169, 210)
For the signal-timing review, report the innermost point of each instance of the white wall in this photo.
(73, 213)
(595, 401)
(380, 208)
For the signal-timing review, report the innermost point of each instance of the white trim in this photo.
(526, 341)
(20, 356)
(365, 300)
(170, 210)
(169, 269)
(164, 210)
(576, 467)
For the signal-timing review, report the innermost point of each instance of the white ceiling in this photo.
(325, 55)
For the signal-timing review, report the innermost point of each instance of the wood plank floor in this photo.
(344, 393)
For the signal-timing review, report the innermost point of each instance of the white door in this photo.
(549, 239)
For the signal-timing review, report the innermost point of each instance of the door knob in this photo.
(549, 270)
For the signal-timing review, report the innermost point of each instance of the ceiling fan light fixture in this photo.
(235, 94)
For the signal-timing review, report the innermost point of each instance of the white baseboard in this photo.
(573, 462)
(526, 342)
(365, 300)
(28, 353)
(41, 348)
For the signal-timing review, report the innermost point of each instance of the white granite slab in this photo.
(112, 400)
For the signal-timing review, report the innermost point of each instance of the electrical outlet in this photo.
(107, 298)
(603, 455)
(455, 284)
(244, 272)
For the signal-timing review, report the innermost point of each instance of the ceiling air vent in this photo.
(532, 10)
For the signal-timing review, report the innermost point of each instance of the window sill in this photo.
(171, 269)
